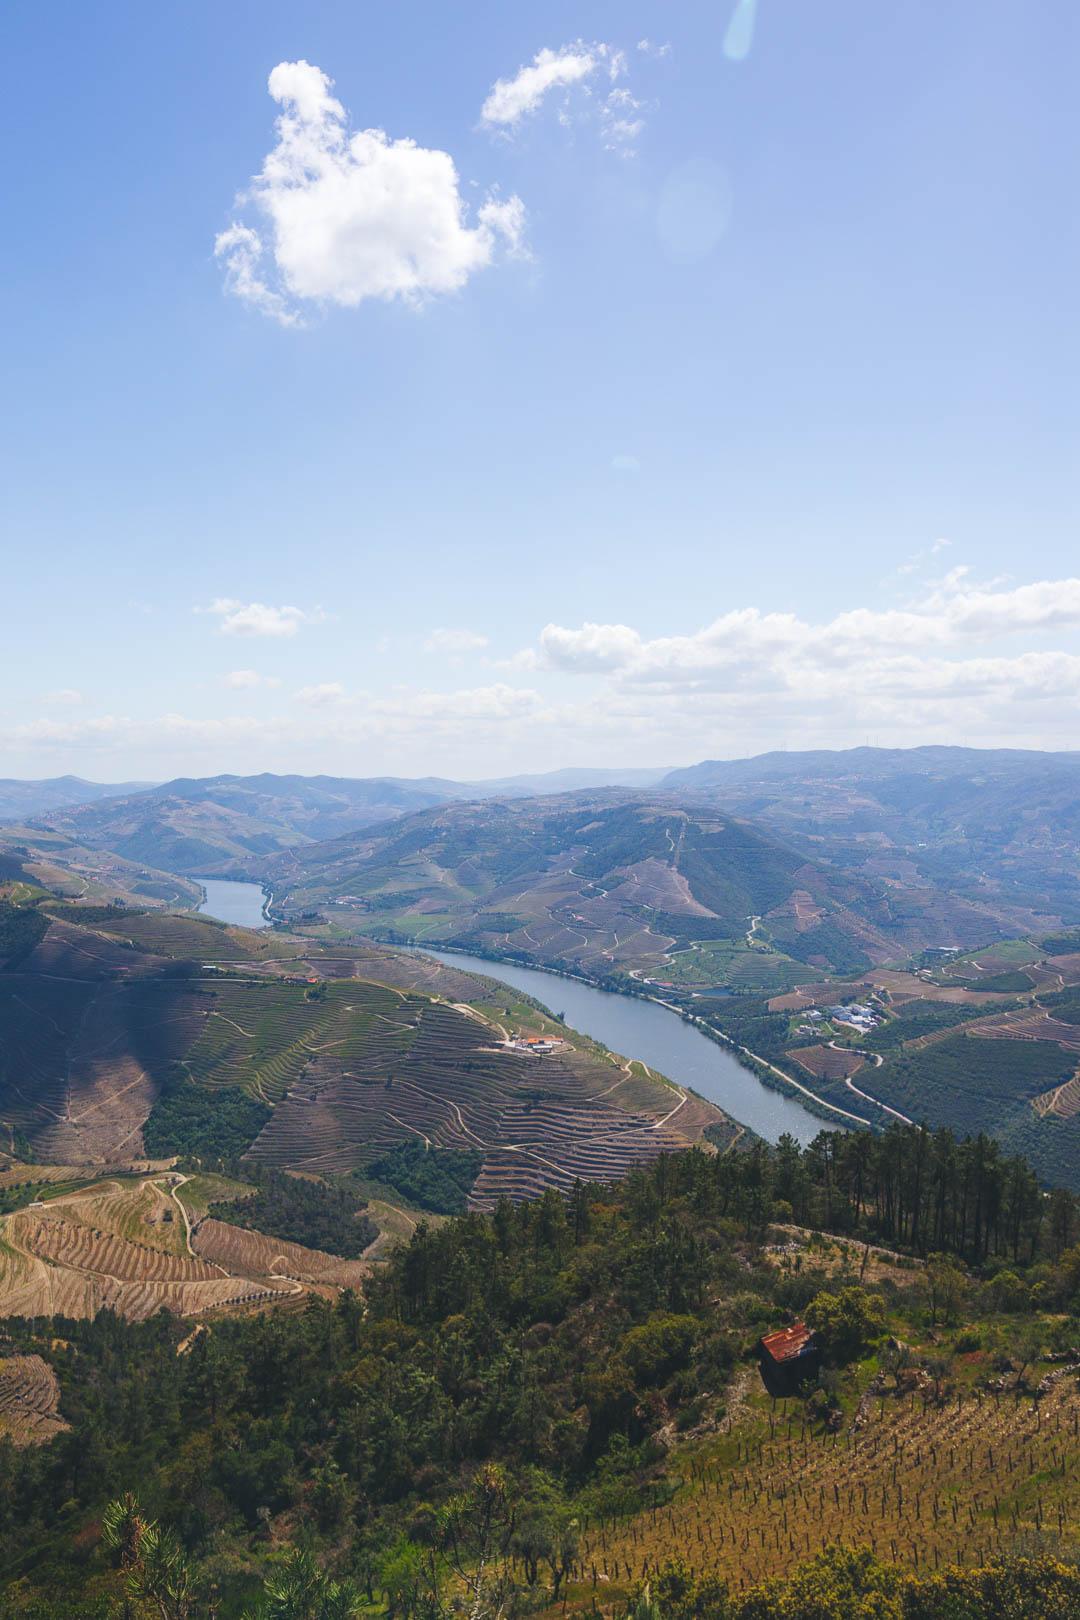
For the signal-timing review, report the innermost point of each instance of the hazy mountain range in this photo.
(996, 828)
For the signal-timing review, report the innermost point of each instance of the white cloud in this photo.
(510, 100)
(240, 250)
(317, 697)
(933, 671)
(497, 703)
(594, 647)
(625, 464)
(570, 69)
(405, 714)
(259, 618)
(354, 215)
(746, 643)
(620, 126)
(455, 642)
(649, 47)
(66, 697)
(246, 680)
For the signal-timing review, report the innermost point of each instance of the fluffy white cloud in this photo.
(259, 618)
(934, 671)
(354, 215)
(455, 642)
(67, 697)
(247, 680)
(985, 663)
(571, 68)
(746, 645)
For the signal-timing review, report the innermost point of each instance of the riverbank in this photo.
(730, 1076)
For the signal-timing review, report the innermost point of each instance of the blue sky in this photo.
(686, 402)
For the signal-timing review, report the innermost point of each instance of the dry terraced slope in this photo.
(102, 1015)
(29, 1401)
(126, 1245)
(114, 1011)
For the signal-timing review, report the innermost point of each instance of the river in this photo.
(238, 903)
(636, 1028)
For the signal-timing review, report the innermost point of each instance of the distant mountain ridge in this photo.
(997, 826)
(19, 799)
(939, 761)
(212, 826)
(997, 829)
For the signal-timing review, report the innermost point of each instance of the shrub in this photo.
(846, 1323)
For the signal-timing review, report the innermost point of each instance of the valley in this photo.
(128, 1036)
(295, 1153)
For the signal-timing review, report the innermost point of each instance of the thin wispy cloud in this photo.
(348, 215)
(919, 559)
(249, 680)
(321, 695)
(582, 80)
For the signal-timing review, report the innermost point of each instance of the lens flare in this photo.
(740, 31)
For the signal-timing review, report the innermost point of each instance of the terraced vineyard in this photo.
(29, 1401)
(81, 1058)
(442, 1074)
(127, 1246)
(253, 1254)
(311, 1058)
(828, 1062)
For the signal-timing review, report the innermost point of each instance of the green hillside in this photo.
(606, 883)
(557, 1408)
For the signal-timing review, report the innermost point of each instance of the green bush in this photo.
(846, 1323)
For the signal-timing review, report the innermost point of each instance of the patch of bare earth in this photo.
(655, 883)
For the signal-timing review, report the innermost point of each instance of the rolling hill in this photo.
(608, 883)
(212, 826)
(19, 799)
(997, 829)
(980, 1041)
(561, 1408)
(126, 1035)
(209, 827)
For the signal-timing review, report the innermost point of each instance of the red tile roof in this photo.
(787, 1343)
